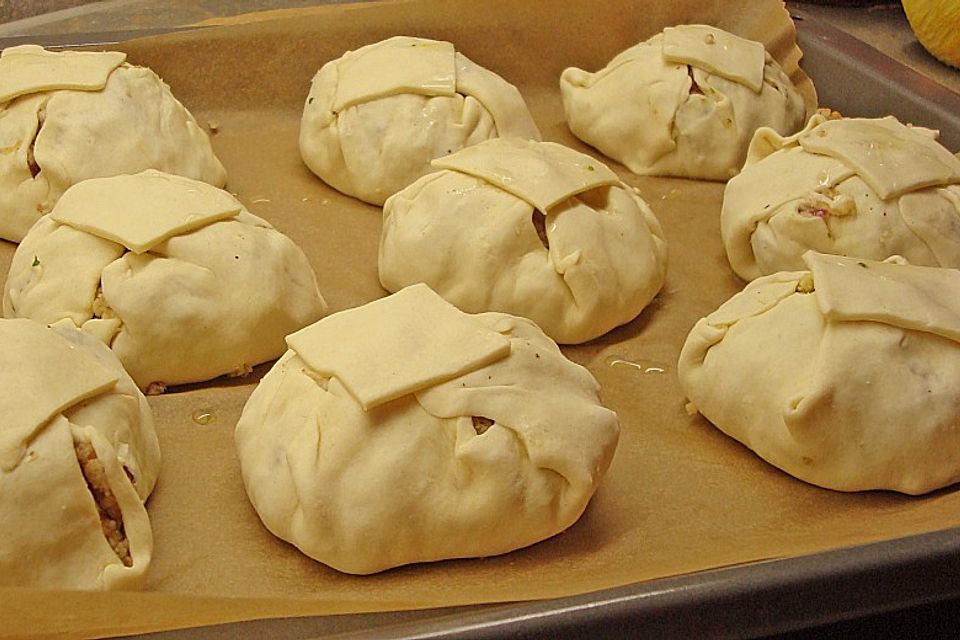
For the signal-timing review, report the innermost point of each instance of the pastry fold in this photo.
(845, 375)
(377, 116)
(476, 460)
(78, 458)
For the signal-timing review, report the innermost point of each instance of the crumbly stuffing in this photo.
(830, 114)
(695, 89)
(540, 224)
(481, 424)
(241, 372)
(826, 203)
(101, 309)
(155, 388)
(111, 517)
(32, 165)
(805, 285)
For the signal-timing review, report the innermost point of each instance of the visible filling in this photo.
(694, 87)
(813, 212)
(111, 517)
(805, 285)
(481, 424)
(31, 159)
(828, 202)
(101, 308)
(241, 371)
(830, 114)
(322, 381)
(540, 224)
(155, 388)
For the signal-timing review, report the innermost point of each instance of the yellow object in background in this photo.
(936, 24)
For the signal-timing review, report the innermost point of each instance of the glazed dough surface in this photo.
(30, 68)
(50, 531)
(377, 116)
(57, 136)
(416, 479)
(480, 233)
(846, 375)
(869, 188)
(236, 281)
(683, 103)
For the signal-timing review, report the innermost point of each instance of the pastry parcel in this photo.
(377, 116)
(533, 229)
(870, 188)
(78, 458)
(845, 375)
(176, 276)
(683, 103)
(69, 116)
(407, 431)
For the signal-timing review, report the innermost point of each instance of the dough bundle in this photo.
(176, 276)
(528, 228)
(846, 375)
(869, 188)
(683, 103)
(69, 116)
(376, 117)
(406, 431)
(78, 458)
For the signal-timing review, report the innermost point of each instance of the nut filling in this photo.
(111, 518)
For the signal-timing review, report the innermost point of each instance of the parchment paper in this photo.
(679, 496)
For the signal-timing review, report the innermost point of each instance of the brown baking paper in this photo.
(679, 497)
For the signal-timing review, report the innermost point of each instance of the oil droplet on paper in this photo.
(204, 417)
(643, 366)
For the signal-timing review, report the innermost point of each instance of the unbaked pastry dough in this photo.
(869, 188)
(377, 116)
(496, 453)
(845, 375)
(529, 228)
(60, 390)
(175, 275)
(66, 117)
(683, 103)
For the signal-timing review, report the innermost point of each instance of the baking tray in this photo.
(745, 601)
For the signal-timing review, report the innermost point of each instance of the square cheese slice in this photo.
(543, 174)
(398, 65)
(41, 374)
(910, 297)
(397, 345)
(30, 68)
(716, 51)
(889, 156)
(140, 211)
